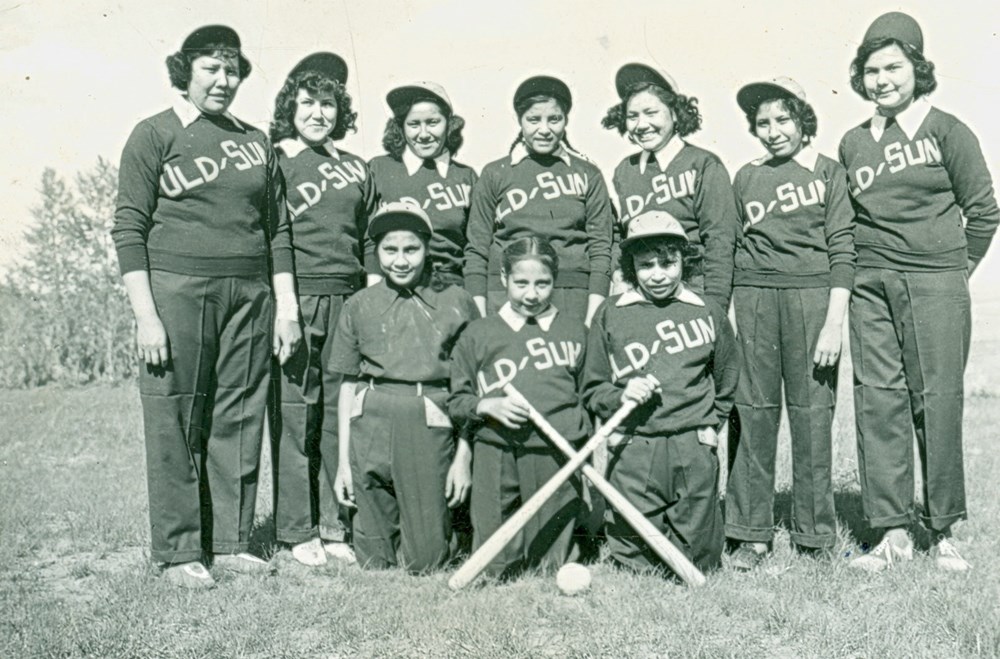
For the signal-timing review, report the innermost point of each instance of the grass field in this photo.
(75, 578)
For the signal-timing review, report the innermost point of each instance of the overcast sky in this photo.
(77, 76)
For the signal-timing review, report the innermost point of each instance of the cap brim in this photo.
(625, 244)
(328, 64)
(401, 97)
(632, 74)
(751, 96)
(398, 221)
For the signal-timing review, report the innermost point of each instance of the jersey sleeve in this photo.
(601, 396)
(345, 353)
(367, 207)
(840, 229)
(464, 396)
(717, 225)
(279, 227)
(725, 365)
(599, 221)
(479, 233)
(138, 192)
(973, 187)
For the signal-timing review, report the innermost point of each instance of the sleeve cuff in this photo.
(978, 246)
(600, 283)
(281, 261)
(475, 284)
(132, 258)
(842, 276)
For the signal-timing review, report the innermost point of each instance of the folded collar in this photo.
(414, 162)
(188, 113)
(516, 321)
(909, 120)
(807, 157)
(683, 294)
(387, 295)
(665, 155)
(294, 146)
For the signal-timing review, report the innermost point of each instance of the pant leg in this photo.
(495, 497)
(376, 522)
(810, 393)
(693, 516)
(296, 430)
(630, 471)
(936, 330)
(547, 535)
(421, 456)
(174, 403)
(750, 489)
(334, 519)
(232, 461)
(881, 402)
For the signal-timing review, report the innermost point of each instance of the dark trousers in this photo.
(305, 431)
(399, 463)
(204, 413)
(910, 334)
(778, 331)
(673, 480)
(504, 477)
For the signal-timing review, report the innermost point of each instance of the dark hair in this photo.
(687, 118)
(394, 139)
(285, 105)
(432, 275)
(923, 70)
(524, 104)
(665, 247)
(530, 247)
(179, 64)
(801, 113)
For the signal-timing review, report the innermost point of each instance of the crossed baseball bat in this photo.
(665, 549)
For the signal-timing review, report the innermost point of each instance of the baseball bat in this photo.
(476, 563)
(658, 542)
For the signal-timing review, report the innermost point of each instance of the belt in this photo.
(402, 388)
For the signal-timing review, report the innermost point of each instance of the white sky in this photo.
(76, 76)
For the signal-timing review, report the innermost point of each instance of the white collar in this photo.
(293, 146)
(909, 120)
(188, 113)
(516, 321)
(683, 294)
(520, 152)
(807, 157)
(665, 155)
(414, 162)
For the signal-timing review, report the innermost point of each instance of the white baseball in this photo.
(573, 578)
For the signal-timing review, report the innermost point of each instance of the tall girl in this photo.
(915, 173)
(539, 349)
(392, 345)
(688, 182)
(794, 271)
(542, 187)
(330, 196)
(421, 140)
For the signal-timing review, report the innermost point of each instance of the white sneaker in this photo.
(341, 551)
(947, 558)
(310, 553)
(884, 556)
(189, 575)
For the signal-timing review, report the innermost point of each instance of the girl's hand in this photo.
(458, 484)
(708, 436)
(511, 413)
(343, 486)
(287, 336)
(640, 389)
(480, 301)
(151, 339)
(828, 346)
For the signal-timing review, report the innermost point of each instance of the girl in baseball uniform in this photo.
(926, 213)
(330, 196)
(794, 270)
(542, 187)
(667, 348)
(398, 461)
(533, 345)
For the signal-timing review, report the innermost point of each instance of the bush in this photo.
(64, 316)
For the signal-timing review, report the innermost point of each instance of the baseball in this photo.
(573, 578)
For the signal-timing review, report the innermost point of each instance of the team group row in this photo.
(378, 270)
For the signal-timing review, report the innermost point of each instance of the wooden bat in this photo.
(658, 542)
(476, 563)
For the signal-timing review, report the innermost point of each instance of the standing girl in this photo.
(533, 345)
(686, 181)
(392, 345)
(663, 346)
(421, 140)
(545, 188)
(794, 271)
(915, 173)
(330, 196)
(200, 224)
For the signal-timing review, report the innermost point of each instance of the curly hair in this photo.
(528, 247)
(801, 113)
(923, 70)
(317, 84)
(687, 118)
(666, 248)
(523, 105)
(179, 64)
(394, 139)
